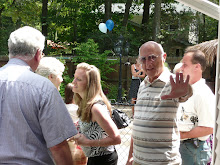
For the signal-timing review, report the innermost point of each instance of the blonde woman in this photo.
(98, 133)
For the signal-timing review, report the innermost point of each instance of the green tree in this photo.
(89, 52)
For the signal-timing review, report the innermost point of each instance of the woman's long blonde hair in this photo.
(93, 93)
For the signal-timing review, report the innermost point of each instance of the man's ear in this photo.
(50, 77)
(164, 57)
(38, 55)
(198, 66)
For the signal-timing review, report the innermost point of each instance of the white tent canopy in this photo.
(203, 6)
(212, 10)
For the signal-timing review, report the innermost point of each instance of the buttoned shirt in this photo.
(155, 135)
(33, 116)
(198, 110)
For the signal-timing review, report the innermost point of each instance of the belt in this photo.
(190, 141)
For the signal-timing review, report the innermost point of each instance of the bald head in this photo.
(152, 45)
(152, 58)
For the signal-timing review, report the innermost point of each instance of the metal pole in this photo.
(119, 85)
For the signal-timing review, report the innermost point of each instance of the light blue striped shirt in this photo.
(33, 116)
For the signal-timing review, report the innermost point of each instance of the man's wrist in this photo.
(188, 94)
(185, 96)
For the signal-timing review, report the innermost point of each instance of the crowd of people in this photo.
(172, 117)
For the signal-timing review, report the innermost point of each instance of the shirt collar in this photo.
(19, 62)
(201, 81)
(163, 77)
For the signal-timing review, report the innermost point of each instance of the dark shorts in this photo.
(110, 159)
(135, 83)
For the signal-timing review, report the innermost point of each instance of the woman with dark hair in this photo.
(72, 108)
(98, 132)
(137, 75)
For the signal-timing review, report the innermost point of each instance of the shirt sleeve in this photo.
(55, 120)
(205, 106)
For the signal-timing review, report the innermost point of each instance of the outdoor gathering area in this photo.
(109, 82)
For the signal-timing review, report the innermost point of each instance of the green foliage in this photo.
(89, 52)
(174, 26)
(66, 80)
(110, 90)
(71, 21)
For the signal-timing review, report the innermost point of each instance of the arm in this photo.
(143, 73)
(106, 123)
(204, 106)
(137, 74)
(61, 154)
(196, 132)
(130, 155)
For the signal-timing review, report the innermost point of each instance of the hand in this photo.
(80, 139)
(130, 161)
(179, 88)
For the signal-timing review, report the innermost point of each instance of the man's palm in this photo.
(179, 87)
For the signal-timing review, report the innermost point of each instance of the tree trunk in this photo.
(146, 12)
(74, 25)
(44, 21)
(204, 27)
(126, 15)
(108, 9)
(1, 10)
(157, 15)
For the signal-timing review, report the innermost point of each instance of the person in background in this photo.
(77, 153)
(52, 69)
(98, 132)
(177, 68)
(34, 121)
(155, 136)
(137, 75)
(72, 108)
(196, 119)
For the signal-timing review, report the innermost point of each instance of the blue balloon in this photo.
(109, 24)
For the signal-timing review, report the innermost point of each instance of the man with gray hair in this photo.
(34, 121)
(52, 69)
(155, 137)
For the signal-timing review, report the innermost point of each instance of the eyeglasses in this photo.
(148, 58)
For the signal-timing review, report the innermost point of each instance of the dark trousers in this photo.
(110, 159)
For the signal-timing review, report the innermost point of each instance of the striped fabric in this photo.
(155, 133)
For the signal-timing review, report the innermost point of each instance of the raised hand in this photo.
(180, 87)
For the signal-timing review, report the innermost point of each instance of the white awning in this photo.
(203, 6)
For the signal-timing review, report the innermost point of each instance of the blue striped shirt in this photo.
(33, 116)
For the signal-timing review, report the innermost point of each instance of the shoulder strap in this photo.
(99, 102)
(134, 66)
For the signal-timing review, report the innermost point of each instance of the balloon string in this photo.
(109, 38)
